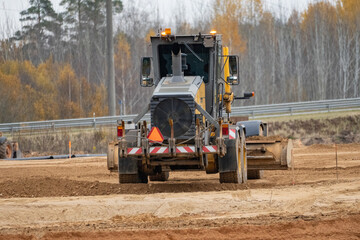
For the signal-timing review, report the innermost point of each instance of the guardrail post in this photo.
(291, 111)
(94, 121)
(252, 113)
(328, 107)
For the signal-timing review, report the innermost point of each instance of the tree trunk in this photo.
(357, 56)
(110, 59)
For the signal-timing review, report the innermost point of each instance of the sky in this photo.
(10, 9)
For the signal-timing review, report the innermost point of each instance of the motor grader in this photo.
(191, 126)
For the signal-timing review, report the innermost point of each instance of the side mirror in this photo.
(146, 67)
(233, 79)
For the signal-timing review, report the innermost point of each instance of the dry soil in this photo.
(80, 199)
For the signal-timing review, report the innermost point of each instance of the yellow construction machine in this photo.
(191, 125)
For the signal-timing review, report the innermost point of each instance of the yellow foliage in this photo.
(10, 68)
(253, 10)
(49, 91)
(99, 106)
(150, 33)
(350, 10)
(27, 73)
(321, 10)
(227, 22)
(122, 58)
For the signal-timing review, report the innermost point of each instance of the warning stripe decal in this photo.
(163, 150)
(232, 134)
(159, 150)
(134, 151)
(190, 149)
(209, 149)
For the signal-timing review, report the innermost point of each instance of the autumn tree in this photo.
(85, 26)
(227, 16)
(350, 15)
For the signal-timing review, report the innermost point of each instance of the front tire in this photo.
(3, 150)
(162, 177)
(236, 151)
(6, 150)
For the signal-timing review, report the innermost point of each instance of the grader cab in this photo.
(191, 125)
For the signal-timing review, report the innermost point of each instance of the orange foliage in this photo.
(99, 104)
(350, 10)
(122, 58)
(227, 22)
(150, 33)
(323, 11)
(48, 91)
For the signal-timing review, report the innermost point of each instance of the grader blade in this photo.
(268, 153)
(112, 157)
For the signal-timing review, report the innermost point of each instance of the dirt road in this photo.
(79, 199)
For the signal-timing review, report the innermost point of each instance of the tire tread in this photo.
(163, 176)
(3, 150)
(229, 177)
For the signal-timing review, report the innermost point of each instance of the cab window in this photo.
(195, 67)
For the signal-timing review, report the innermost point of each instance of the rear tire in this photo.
(255, 174)
(133, 178)
(128, 178)
(3, 150)
(229, 177)
(233, 153)
(162, 177)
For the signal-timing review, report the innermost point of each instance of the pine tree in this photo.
(41, 31)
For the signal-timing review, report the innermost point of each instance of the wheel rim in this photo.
(238, 146)
(243, 145)
(8, 151)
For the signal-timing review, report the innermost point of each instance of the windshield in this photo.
(195, 67)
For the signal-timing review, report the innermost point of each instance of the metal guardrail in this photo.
(256, 111)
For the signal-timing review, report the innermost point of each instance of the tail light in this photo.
(120, 131)
(225, 129)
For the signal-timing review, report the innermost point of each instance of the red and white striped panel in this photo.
(232, 133)
(134, 151)
(209, 149)
(158, 150)
(188, 149)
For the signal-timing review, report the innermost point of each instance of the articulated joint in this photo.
(198, 145)
(198, 139)
(145, 147)
(221, 147)
(123, 148)
(172, 147)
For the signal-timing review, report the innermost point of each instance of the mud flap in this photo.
(128, 166)
(228, 163)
